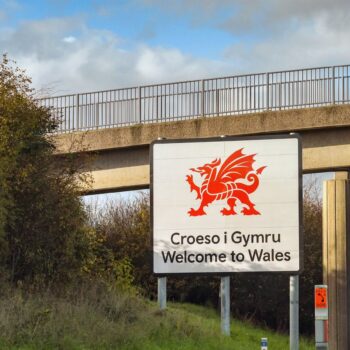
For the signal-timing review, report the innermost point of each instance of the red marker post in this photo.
(321, 317)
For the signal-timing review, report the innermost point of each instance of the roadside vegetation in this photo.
(73, 277)
(91, 317)
(125, 228)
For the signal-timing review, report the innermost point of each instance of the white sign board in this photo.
(226, 205)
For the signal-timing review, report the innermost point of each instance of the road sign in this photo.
(225, 205)
(321, 297)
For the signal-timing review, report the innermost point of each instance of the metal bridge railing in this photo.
(240, 94)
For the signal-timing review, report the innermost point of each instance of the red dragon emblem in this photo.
(234, 180)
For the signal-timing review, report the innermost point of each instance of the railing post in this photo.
(77, 111)
(97, 115)
(267, 91)
(217, 101)
(280, 94)
(333, 84)
(343, 87)
(202, 90)
(140, 106)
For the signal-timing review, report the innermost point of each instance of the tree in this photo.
(42, 220)
(124, 229)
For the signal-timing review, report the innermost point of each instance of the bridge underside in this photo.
(121, 161)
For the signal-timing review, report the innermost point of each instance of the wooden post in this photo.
(336, 258)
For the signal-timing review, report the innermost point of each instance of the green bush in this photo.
(124, 230)
(43, 231)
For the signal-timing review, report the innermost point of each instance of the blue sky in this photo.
(71, 46)
(134, 22)
(76, 46)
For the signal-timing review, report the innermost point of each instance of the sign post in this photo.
(227, 205)
(162, 292)
(321, 317)
(225, 305)
(294, 312)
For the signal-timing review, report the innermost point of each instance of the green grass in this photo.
(244, 335)
(98, 319)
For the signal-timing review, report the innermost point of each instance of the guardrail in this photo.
(312, 87)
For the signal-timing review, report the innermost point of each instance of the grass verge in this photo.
(95, 318)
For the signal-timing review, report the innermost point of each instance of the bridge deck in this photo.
(225, 96)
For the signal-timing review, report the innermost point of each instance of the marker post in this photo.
(264, 344)
(321, 317)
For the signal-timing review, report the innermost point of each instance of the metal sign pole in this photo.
(225, 305)
(294, 312)
(162, 292)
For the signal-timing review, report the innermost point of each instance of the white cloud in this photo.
(160, 64)
(69, 39)
(97, 59)
(315, 44)
(67, 56)
(274, 34)
(247, 15)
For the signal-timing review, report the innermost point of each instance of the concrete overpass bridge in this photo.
(122, 158)
(120, 124)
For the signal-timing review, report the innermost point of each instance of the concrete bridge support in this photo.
(336, 258)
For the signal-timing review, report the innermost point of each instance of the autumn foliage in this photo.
(42, 220)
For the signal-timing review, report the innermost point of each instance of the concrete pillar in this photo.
(336, 258)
